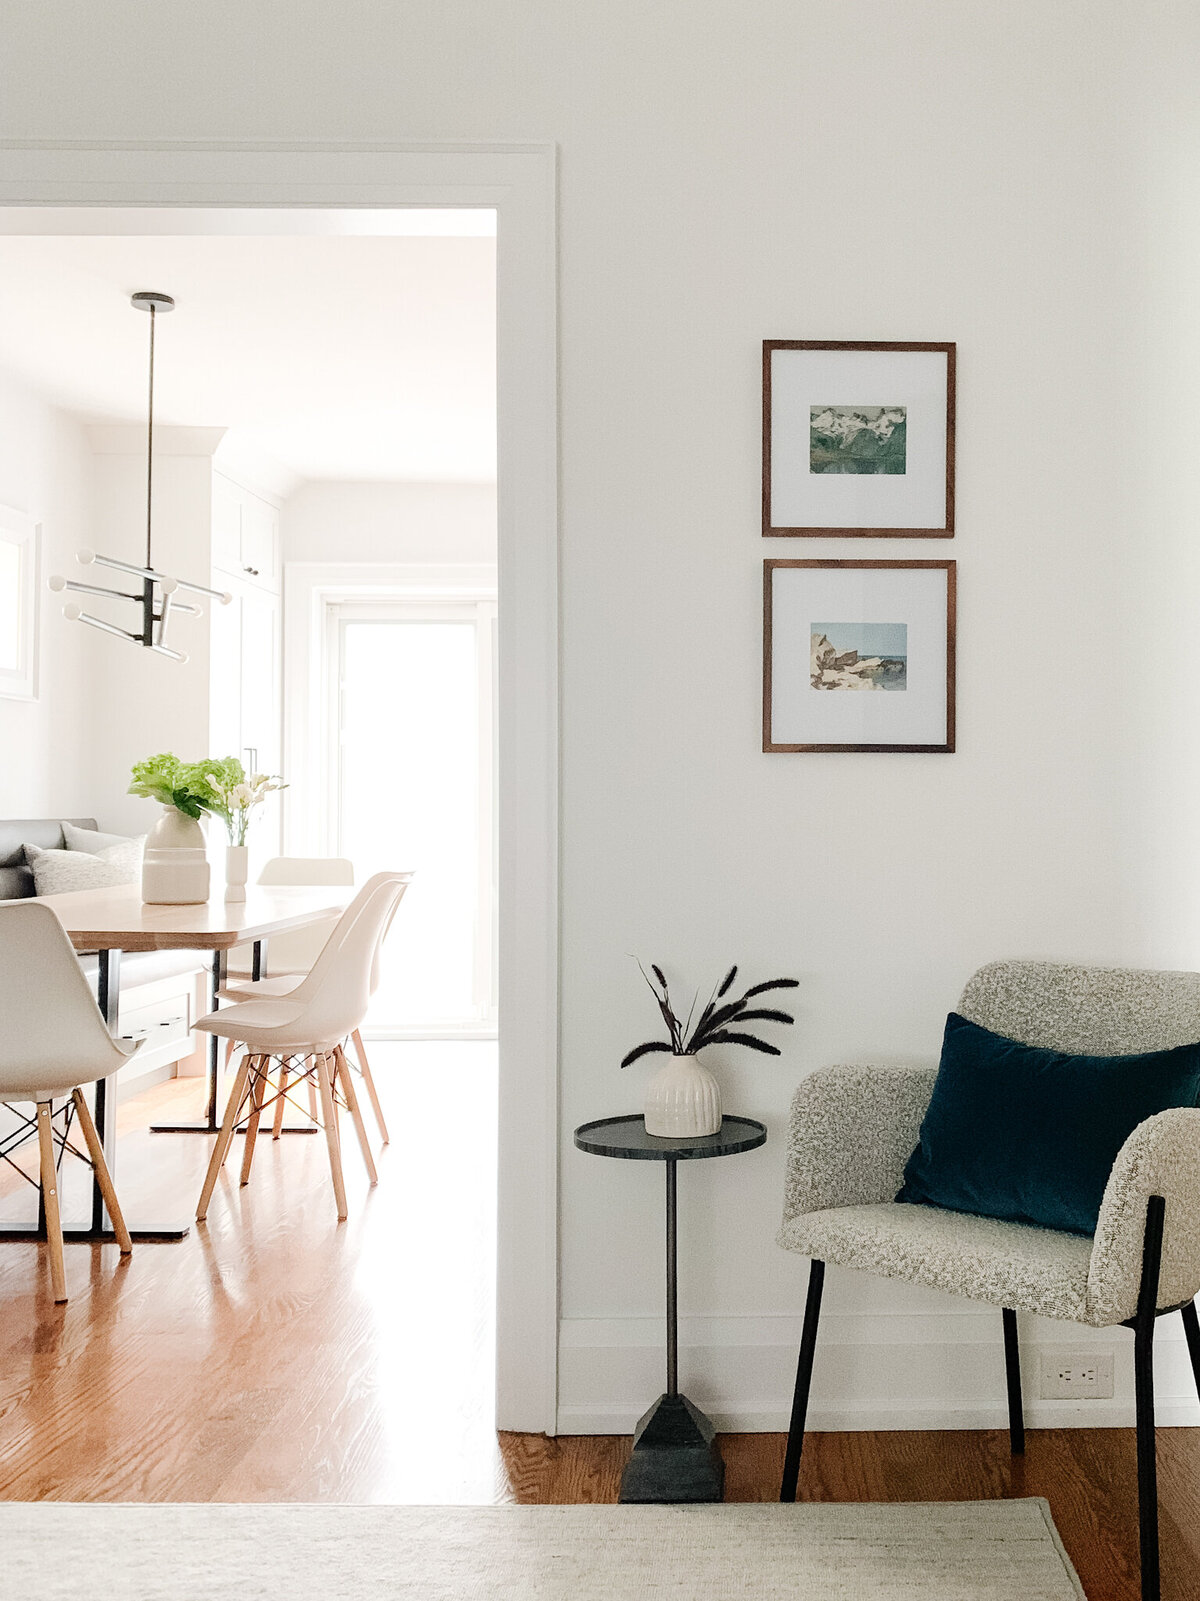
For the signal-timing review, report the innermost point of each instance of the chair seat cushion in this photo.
(1002, 1264)
(1030, 1135)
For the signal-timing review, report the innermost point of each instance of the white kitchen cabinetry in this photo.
(245, 706)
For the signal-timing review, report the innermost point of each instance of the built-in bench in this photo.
(162, 992)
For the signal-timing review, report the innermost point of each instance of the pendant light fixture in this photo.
(156, 594)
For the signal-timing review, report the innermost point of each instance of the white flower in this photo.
(241, 796)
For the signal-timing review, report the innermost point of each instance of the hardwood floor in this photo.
(273, 1356)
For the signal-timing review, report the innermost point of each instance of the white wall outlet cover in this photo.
(1077, 1375)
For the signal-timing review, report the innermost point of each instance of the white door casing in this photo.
(519, 182)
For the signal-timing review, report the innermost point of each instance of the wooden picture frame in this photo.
(897, 632)
(858, 439)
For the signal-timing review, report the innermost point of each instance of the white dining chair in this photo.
(53, 1041)
(307, 1026)
(291, 957)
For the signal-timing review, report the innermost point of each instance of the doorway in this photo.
(87, 186)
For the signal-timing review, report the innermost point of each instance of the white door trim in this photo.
(520, 182)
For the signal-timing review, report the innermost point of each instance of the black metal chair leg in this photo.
(1191, 1327)
(804, 1367)
(1012, 1373)
(1143, 1372)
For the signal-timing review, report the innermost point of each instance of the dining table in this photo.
(110, 921)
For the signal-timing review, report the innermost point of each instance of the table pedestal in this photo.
(675, 1453)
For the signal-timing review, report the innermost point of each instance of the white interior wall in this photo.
(45, 470)
(1020, 179)
(334, 521)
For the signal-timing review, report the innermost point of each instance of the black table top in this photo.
(626, 1137)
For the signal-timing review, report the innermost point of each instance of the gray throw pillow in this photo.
(92, 840)
(56, 872)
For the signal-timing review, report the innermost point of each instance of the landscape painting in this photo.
(859, 656)
(858, 439)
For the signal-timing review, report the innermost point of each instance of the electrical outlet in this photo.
(1077, 1375)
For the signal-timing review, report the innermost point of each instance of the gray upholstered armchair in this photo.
(853, 1128)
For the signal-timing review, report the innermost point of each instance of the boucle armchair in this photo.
(853, 1129)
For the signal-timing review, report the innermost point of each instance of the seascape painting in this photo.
(858, 439)
(859, 656)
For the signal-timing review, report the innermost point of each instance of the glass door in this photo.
(411, 788)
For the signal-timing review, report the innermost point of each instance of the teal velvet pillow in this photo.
(1030, 1136)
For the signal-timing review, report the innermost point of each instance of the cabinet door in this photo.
(260, 541)
(260, 705)
(227, 525)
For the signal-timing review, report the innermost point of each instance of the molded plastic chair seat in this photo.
(309, 1022)
(52, 1042)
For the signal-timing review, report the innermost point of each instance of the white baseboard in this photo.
(875, 1371)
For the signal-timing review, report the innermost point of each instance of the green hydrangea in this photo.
(164, 778)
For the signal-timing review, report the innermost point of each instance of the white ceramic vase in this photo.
(174, 866)
(683, 1100)
(237, 868)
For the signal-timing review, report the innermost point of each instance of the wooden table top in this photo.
(117, 919)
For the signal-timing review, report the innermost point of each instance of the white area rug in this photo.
(958, 1551)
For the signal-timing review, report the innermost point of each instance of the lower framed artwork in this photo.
(858, 655)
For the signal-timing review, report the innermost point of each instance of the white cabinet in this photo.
(245, 533)
(245, 697)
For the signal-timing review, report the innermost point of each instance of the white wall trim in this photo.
(872, 1371)
(519, 181)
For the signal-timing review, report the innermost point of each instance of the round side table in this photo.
(675, 1455)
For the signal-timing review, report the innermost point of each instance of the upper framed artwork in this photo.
(858, 439)
(19, 541)
(858, 655)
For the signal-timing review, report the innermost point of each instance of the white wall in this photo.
(1019, 178)
(143, 703)
(387, 522)
(45, 470)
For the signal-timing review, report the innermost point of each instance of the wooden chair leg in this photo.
(49, 1176)
(311, 1070)
(360, 1051)
(224, 1138)
(281, 1102)
(345, 1074)
(1012, 1374)
(103, 1176)
(1191, 1327)
(804, 1367)
(259, 1080)
(329, 1107)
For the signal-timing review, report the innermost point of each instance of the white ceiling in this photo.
(340, 356)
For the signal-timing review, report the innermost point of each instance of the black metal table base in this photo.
(675, 1456)
(83, 1232)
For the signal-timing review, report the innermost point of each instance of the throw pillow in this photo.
(56, 872)
(93, 840)
(1029, 1135)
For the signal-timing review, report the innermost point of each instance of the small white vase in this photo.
(237, 869)
(683, 1100)
(174, 866)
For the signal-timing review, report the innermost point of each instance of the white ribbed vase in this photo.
(174, 866)
(237, 870)
(683, 1100)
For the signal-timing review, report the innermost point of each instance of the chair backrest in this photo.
(296, 950)
(385, 931)
(1088, 1011)
(307, 870)
(335, 995)
(52, 1036)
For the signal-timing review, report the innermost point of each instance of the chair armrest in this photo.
(850, 1133)
(1160, 1157)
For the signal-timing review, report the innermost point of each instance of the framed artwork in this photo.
(858, 439)
(858, 655)
(19, 541)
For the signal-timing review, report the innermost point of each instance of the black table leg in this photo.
(675, 1455)
(211, 1122)
(105, 1114)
